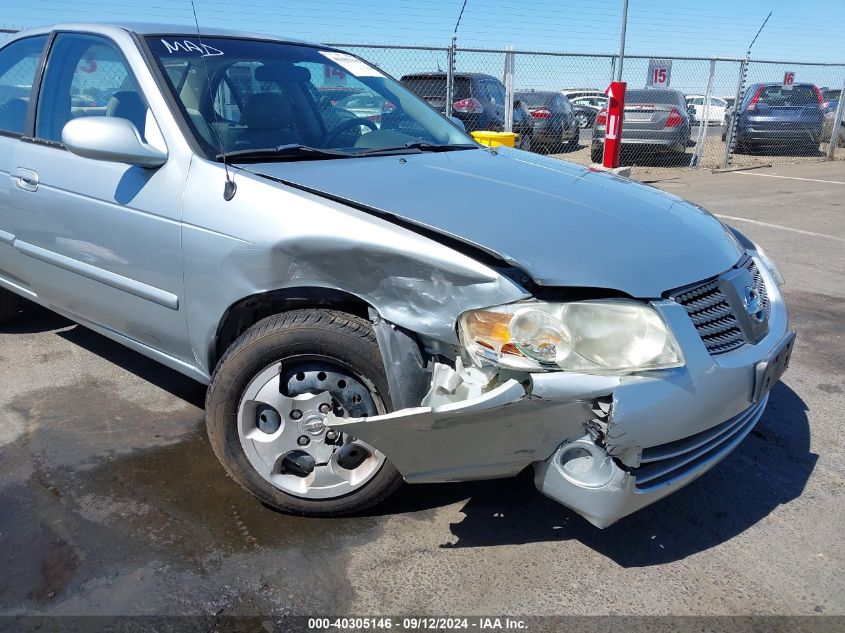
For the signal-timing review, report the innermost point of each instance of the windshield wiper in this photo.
(420, 146)
(283, 152)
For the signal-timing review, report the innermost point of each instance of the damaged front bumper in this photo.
(604, 446)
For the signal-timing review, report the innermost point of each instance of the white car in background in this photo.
(367, 105)
(576, 93)
(716, 111)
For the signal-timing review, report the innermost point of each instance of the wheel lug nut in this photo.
(331, 435)
(302, 440)
(325, 408)
(295, 414)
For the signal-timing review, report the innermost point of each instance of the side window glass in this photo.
(86, 76)
(496, 92)
(479, 90)
(18, 63)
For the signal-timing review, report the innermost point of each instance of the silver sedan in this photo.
(374, 302)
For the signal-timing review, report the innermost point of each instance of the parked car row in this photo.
(656, 121)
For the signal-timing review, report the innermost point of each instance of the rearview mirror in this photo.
(111, 139)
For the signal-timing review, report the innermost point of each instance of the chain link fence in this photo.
(680, 111)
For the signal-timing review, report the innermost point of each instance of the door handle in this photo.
(25, 179)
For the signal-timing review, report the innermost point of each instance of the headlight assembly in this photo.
(768, 263)
(602, 337)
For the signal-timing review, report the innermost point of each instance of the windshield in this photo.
(654, 96)
(535, 99)
(239, 96)
(791, 96)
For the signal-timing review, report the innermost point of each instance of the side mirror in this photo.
(517, 103)
(458, 122)
(691, 109)
(111, 139)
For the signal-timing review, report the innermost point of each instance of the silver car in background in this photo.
(655, 121)
(374, 302)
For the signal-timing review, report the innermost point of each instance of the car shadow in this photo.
(34, 318)
(770, 467)
(779, 150)
(654, 159)
(145, 368)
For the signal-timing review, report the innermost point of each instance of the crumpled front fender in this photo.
(496, 433)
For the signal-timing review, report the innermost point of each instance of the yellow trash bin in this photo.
(494, 139)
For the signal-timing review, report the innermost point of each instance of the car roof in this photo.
(656, 90)
(439, 74)
(548, 93)
(153, 28)
(769, 84)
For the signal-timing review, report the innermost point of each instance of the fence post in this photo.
(729, 140)
(612, 68)
(450, 75)
(837, 123)
(695, 161)
(508, 81)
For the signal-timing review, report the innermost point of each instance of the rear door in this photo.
(496, 95)
(18, 65)
(101, 239)
(567, 115)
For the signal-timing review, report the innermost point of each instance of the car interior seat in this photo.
(268, 119)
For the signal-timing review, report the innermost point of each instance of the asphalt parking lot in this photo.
(113, 503)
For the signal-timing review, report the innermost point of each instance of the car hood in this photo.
(563, 224)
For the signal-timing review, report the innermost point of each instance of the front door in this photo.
(101, 239)
(18, 65)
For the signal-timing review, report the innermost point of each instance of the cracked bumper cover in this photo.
(664, 429)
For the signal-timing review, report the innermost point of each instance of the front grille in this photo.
(713, 317)
(760, 285)
(663, 465)
(712, 314)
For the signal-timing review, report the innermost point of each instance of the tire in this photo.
(583, 121)
(325, 337)
(597, 155)
(524, 142)
(10, 305)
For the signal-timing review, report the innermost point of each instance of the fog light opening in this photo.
(585, 464)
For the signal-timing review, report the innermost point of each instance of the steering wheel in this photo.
(349, 123)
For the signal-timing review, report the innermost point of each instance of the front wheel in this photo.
(582, 121)
(523, 142)
(268, 405)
